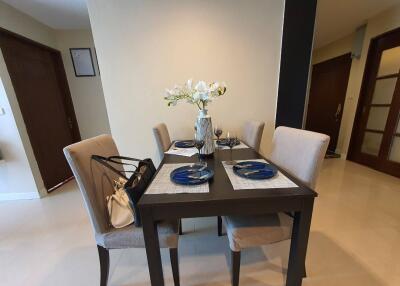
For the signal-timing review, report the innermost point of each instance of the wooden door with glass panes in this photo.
(376, 132)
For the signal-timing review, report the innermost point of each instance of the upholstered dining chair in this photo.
(252, 134)
(163, 143)
(96, 183)
(162, 137)
(301, 154)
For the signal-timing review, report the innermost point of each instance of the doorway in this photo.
(39, 80)
(327, 95)
(375, 140)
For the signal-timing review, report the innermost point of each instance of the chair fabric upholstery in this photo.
(162, 137)
(301, 154)
(252, 134)
(250, 231)
(132, 237)
(96, 183)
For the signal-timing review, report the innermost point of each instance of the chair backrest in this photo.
(299, 152)
(162, 137)
(95, 181)
(252, 134)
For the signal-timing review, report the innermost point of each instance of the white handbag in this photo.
(119, 208)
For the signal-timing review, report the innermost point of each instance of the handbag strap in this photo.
(103, 161)
(111, 159)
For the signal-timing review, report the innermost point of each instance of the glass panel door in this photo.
(390, 62)
(394, 154)
(381, 101)
(375, 140)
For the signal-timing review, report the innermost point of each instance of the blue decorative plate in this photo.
(191, 175)
(255, 170)
(225, 142)
(184, 144)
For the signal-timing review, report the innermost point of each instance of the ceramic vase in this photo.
(204, 130)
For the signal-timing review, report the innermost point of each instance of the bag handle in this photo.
(111, 159)
(103, 161)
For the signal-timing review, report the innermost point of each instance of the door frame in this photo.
(62, 81)
(366, 92)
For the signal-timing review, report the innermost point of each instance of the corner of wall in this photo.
(28, 162)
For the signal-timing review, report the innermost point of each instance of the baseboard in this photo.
(19, 196)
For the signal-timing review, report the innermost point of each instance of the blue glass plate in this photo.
(184, 144)
(191, 175)
(255, 170)
(225, 142)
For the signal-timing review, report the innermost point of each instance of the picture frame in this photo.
(82, 61)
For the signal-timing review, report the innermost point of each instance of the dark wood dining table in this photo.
(223, 200)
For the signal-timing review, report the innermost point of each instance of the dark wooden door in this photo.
(375, 140)
(327, 95)
(40, 84)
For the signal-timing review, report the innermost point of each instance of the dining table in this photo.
(223, 200)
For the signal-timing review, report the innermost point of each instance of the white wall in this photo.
(145, 46)
(86, 92)
(16, 176)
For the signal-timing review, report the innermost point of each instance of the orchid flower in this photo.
(201, 94)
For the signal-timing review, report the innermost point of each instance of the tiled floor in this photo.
(355, 240)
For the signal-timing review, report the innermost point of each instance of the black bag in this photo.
(137, 183)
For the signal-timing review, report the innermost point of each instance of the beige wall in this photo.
(18, 177)
(86, 92)
(19, 160)
(22, 24)
(335, 49)
(15, 143)
(386, 21)
(147, 46)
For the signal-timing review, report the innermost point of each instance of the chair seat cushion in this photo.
(132, 237)
(256, 230)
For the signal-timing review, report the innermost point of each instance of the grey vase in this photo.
(204, 130)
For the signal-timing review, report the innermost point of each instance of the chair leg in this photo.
(235, 267)
(180, 227)
(104, 258)
(219, 226)
(173, 255)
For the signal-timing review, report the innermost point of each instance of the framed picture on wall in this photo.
(82, 61)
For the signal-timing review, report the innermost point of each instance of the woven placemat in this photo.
(162, 183)
(239, 183)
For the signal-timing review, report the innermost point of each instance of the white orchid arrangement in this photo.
(200, 94)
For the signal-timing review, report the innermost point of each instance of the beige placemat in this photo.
(162, 183)
(239, 183)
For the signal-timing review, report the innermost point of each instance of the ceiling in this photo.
(335, 18)
(57, 14)
(339, 18)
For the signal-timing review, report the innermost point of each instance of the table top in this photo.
(220, 186)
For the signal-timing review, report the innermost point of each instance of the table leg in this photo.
(298, 246)
(152, 249)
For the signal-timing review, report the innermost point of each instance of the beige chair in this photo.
(301, 154)
(162, 137)
(95, 183)
(252, 134)
(164, 143)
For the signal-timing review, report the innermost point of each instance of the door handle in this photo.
(70, 123)
(338, 110)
